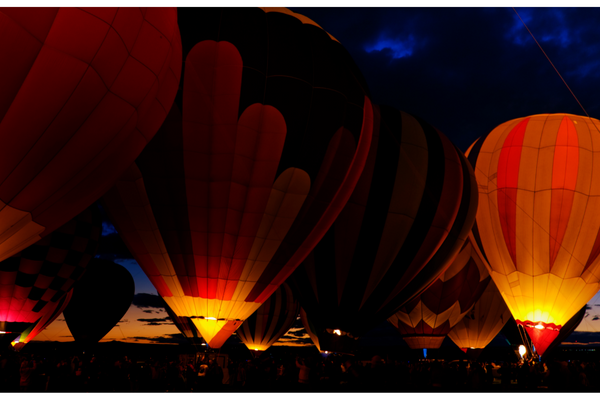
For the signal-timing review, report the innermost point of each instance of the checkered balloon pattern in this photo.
(35, 279)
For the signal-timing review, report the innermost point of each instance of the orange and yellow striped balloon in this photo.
(538, 219)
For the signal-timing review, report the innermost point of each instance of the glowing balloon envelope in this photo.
(271, 321)
(34, 329)
(425, 321)
(252, 166)
(537, 219)
(33, 281)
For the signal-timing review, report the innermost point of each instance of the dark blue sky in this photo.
(467, 70)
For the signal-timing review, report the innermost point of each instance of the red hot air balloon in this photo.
(408, 217)
(83, 91)
(251, 167)
(425, 321)
(34, 280)
(537, 218)
(271, 321)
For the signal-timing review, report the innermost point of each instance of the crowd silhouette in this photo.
(288, 373)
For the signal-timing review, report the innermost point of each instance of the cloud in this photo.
(395, 47)
(297, 333)
(175, 338)
(156, 321)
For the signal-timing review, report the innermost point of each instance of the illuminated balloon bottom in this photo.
(541, 334)
(215, 319)
(424, 342)
(216, 331)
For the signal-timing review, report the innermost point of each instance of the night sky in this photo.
(467, 70)
(464, 70)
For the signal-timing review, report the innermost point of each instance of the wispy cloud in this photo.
(396, 47)
(156, 321)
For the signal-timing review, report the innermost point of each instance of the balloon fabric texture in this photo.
(185, 326)
(30, 333)
(425, 321)
(271, 321)
(485, 320)
(34, 280)
(83, 90)
(256, 159)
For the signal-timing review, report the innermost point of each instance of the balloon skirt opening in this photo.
(541, 334)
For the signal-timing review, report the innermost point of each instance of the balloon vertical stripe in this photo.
(400, 229)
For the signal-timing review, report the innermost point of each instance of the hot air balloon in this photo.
(185, 326)
(83, 91)
(100, 299)
(34, 329)
(34, 280)
(271, 321)
(485, 320)
(537, 218)
(253, 164)
(405, 222)
(425, 321)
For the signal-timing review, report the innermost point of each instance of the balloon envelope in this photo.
(83, 91)
(251, 167)
(408, 217)
(485, 320)
(34, 280)
(425, 321)
(271, 321)
(185, 326)
(537, 218)
(100, 299)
